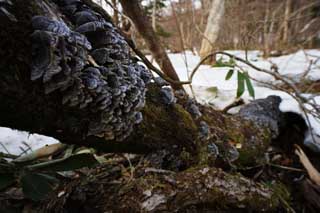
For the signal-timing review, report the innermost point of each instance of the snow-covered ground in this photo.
(18, 142)
(210, 87)
(293, 66)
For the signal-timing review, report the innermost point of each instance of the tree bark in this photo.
(286, 22)
(212, 28)
(133, 9)
(198, 189)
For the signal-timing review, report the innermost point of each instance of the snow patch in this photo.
(293, 66)
(18, 142)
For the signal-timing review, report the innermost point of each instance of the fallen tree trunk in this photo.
(194, 190)
(25, 106)
(192, 135)
(179, 192)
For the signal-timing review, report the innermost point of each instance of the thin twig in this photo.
(5, 148)
(286, 167)
(118, 11)
(159, 171)
(132, 169)
(6, 155)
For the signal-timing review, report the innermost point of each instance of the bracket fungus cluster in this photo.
(89, 63)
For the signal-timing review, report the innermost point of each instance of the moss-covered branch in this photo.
(25, 106)
(184, 137)
(150, 190)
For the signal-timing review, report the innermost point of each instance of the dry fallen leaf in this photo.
(42, 152)
(312, 172)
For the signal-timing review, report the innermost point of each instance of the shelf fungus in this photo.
(111, 91)
(167, 95)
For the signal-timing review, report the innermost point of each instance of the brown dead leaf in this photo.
(312, 172)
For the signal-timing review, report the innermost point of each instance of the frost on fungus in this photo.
(111, 90)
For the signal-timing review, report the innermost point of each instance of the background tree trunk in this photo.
(286, 22)
(212, 28)
(154, 16)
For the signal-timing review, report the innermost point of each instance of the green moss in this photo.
(165, 118)
(185, 156)
(280, 194)
(203, 155)
(170, 122)
(251, 142)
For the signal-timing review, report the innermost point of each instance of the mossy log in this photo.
(25, 106)
(199, 189)
(193, 190)
(171, 127)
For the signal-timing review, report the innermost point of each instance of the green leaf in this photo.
(249, 85)
(229, 74)
(67, 164)
(37, 186)
(241, 85)
(219, 63)
(232, 62)
(213, 90)
(6, 179)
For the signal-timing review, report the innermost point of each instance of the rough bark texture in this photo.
(212, 29)
(188, 139)
(134, 11)
(198, 189)
(177, 192)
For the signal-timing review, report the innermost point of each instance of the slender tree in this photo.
(133, 9)
(212, 28)
(286, 21)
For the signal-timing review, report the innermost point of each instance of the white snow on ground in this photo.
(207, 77)
(210, 87)
(18, 142)
(293, 65)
